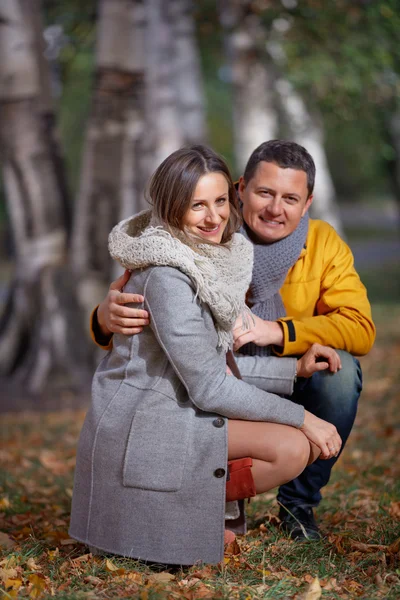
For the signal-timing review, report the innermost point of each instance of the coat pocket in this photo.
(156, 451)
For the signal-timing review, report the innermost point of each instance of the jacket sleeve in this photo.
(105, 342)
(178, 324)
(269, 373)
(343, 313)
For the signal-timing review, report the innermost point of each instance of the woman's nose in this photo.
(212, 215)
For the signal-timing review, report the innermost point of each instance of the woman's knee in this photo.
(294, 453)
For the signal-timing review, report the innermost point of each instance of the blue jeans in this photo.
(333, 397)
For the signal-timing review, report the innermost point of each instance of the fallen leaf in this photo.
(313, 592)
(163, 577)
(81, 559)
(93, 580)
(394, 547)
(9, 562)
(32, 565)
(134, 576)
(38, 585)
(394, 510)
(50, 461)
(110, 566)
(68, 542)
(12, 584)
(8, 573)
(353, 587)
(362, 547)
(392, 578)
(200, 590)
(6, 541)
(232, 549)
(4, 502)
(53, 554)
(330, 585)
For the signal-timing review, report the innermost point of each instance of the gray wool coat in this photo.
(152, 455)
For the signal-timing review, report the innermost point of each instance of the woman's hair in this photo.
(173, 184)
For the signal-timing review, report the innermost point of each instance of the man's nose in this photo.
(275, 206)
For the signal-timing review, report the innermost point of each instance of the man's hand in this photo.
(311, 361)
(113, 317)
(262, 333)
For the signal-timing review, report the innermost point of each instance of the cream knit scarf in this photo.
(221, 274)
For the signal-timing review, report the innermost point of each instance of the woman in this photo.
(165, 416)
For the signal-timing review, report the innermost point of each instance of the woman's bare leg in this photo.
(279, 452)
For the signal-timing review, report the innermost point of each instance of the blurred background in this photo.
(94, 94)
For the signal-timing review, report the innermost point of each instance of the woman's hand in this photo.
(262, 333)
(113, 317)
(307, 364)
(322, 434)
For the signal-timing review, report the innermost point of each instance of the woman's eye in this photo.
(197, 206)
(221, 200)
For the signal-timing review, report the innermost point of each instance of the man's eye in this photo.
(265, 192)
(291, 199)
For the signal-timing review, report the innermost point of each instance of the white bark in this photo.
(113, 173)
(29, 332)
(188, 77)
(19, 73)
(306, 130)
(163, 118)
(254, 113)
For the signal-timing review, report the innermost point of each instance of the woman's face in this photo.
(209, 209)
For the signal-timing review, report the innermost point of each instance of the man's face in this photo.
(274, 200)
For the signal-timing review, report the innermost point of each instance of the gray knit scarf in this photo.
(271, 265)
(221, 274)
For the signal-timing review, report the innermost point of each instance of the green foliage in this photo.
(344, 56)
(218, 93)
(76, 65)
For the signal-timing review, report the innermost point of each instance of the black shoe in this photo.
(299, 522)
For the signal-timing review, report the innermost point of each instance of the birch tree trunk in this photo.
(189, 84)
(165, 133)
(46, 106)
(39, 316)
(254, 110)
(113, 175)
(304, 127)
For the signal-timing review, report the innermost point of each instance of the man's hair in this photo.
(287, 155)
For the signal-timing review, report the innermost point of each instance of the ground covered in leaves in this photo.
(359, 556)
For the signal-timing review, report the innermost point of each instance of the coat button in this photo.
(219, 422)
(219, 473)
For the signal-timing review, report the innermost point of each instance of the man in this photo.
(305, 291)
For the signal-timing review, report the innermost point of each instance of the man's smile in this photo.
(274, 223)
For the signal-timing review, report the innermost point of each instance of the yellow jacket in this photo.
(324, 299)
